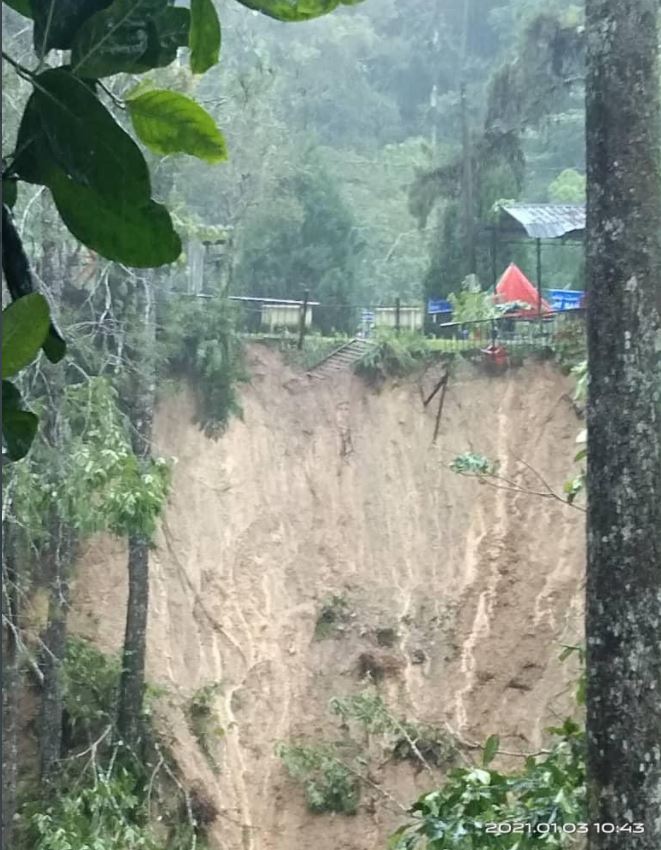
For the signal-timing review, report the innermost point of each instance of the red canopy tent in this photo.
(515, 288)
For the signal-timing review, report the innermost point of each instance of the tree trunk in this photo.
(10, 682)
(623, 616)
(132, 683)
(58, 563)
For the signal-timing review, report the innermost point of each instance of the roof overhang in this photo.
(545, 221)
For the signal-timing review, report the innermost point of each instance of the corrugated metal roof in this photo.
(547, 221)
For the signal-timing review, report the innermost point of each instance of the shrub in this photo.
(90, 686)
(332, 617)
(203, 721)
(392, 355)
(329, 785)
(202, 343)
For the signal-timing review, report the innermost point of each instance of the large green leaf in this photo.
(25, 325)
(169, 122)
(33, 162)
(296, 10)
(204, 39)
(23, 7)
(9, 191)
(57, 21)
(172, 26)
(129, 36)
(86, 142)
(54, 345)
(19, 427)
(139, 235)
(69, 142)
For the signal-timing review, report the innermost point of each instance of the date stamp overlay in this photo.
(511, 827)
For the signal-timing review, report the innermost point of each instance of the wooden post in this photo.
(539, 277)
(494, 257)
(304, 315)
(397, 314)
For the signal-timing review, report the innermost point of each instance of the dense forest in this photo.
(171, 167)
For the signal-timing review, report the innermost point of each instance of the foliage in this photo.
(103, 803)
(203, 721)
(403, 739)
(71, 139)
(103, 813)
(329, 785)
(104, 796)
(569, 342)
(568, 187)
(90, 682)
(295, 10)
(169, 122)
(544, 796)
(103, 485)
(315, 348)
(306, 239)
(392, 355)
(201, 342)
(473, 463)
(332, 617)
(471, 303)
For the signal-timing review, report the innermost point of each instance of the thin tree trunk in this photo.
(132, 683)
(623, 616)
(10, 683)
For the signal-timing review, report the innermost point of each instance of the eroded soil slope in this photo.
(332, 489)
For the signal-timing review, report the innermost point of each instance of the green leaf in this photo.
(9, 191)
(169, 122)
(490, 749)
(173, 26)
(115, 39)
(11, 397)
(204, 38)
(98, 177)
(85, 141)
(130, 36)
(25, 324)
(33, 162)
(137, 235)
(19, 428)
(23, 7)
(482, 776)
(296, 10)
(54, 345)
(57, 21)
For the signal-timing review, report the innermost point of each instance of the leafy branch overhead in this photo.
(71, 142)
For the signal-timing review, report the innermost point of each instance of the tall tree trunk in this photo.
(623, 617)
(132, 683)
(10, 681)
(58, 559)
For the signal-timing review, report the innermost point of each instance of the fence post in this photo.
(397, 314)
(539, 278)
(304, 315)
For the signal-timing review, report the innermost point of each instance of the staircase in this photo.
(341, 359)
